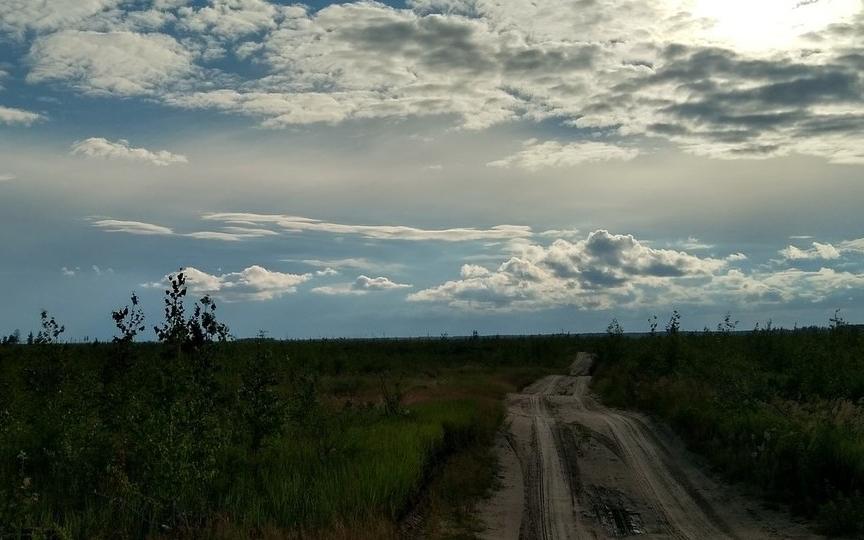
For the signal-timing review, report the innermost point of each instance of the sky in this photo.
(365, 169)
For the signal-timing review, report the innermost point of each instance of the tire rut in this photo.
(589, 472)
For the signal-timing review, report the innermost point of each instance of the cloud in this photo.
(97, 147)
(118, 63)
(232, 234)
(362, 285)
(231, 19)
(226, 234)
(242, 226)
(6, 177)
(505, 61)
(693, 243)
(367, 60)
(818, 251)
(20, 16)
(602, 270)
(356, 263)
(365, 283)
(606, 271)
(559, 233)
(461, 7)
(536, 155)
(824, 251)
(100, 271)
(853, 246)
(785, 286)
(592, 65)
(253, 284)
(131, 227)
(724, 104)
(296, 224)
(11, 116)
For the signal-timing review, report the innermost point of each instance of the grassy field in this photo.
(202, 437)
(780, 409)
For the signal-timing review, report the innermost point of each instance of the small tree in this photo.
(203, 327)
(261, 407)
(174, 329)
(50, 332)
(12, 339)
(129, 321)
(652, 325)
(674, 324)
(837, 321)
(200, 328)
(728, 325)
(613, 346)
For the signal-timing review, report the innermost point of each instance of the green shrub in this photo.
(780, 409)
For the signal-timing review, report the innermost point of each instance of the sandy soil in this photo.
(574, 469)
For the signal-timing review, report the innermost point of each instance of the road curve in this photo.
(573, 469)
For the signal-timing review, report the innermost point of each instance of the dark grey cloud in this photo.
(720, 102)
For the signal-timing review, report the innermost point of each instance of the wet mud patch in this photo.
(614, 512)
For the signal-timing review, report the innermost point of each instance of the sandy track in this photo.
(573, 469)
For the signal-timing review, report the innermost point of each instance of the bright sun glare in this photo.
(771, 24)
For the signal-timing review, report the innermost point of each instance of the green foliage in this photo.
(199, 329)
(129, 321)
(50, 332)
(781, 409)
(198, 434)
(263, 411)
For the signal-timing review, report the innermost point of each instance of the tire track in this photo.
(589, 472)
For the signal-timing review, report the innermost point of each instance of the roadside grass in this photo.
(143, 441)
(781, 410)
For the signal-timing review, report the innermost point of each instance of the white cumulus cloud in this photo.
(98, 147)
(599, 271)
(12, 116)
(817, 251)
(254, 283)
(362, 285)
(606, 270)
(118, 63)
(20, 16)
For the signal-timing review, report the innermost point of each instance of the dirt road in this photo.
(573, 469)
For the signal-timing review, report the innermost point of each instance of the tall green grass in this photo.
(144, 440)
